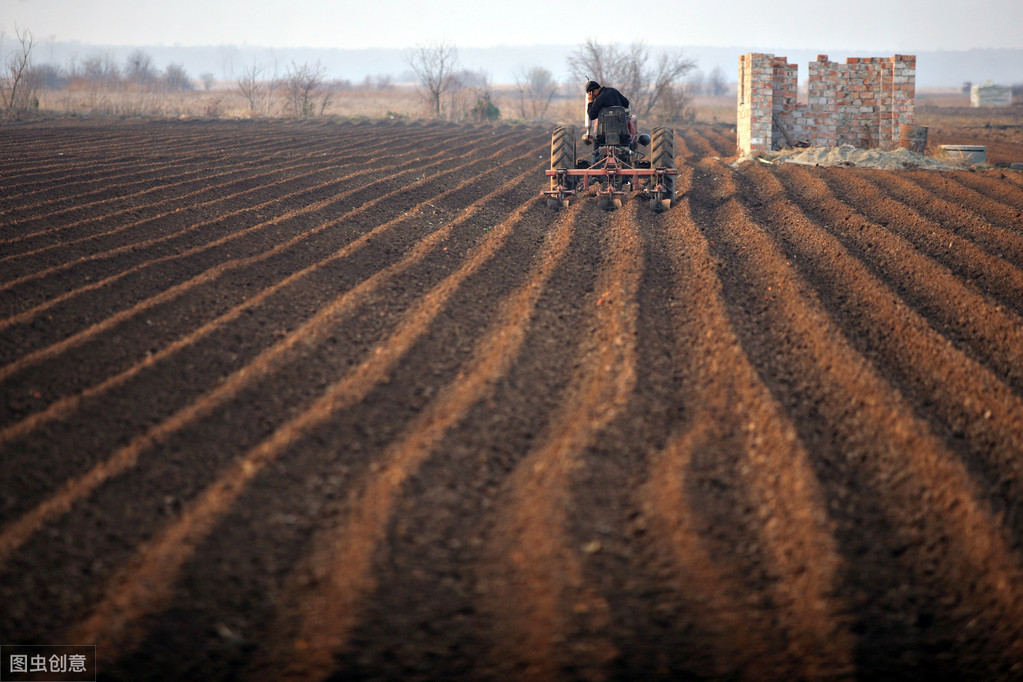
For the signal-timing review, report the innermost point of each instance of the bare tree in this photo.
(694, 83)
(17, 82)
(101, 69)
(303, 86)
(647, 84)
(139, 68)
(208, 79)
(536, 88)
(228, 56)
(716, 82)
(50, 76)
(251, 84)
(176, 79)
(435, 66)
(328, 91)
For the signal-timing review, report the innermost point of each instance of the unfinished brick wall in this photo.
(862, 102)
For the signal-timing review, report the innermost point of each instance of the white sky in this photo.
(880, 25)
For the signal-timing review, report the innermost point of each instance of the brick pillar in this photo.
(822, 92)
(903, 93)
(756, 97)
(783, 100)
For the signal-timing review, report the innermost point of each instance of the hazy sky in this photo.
(899, 26)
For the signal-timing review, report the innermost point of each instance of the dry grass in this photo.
(936, 108)
(397, 101)
(228, 104)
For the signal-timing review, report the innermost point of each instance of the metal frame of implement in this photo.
(610, 167)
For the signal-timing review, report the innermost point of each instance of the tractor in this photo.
(617, 166)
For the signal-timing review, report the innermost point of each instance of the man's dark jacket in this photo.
(607, 97)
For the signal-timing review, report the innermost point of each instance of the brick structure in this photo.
(862, 102)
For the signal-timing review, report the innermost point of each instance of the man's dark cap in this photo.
(592, 85)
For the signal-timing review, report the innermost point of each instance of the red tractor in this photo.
(618, 165)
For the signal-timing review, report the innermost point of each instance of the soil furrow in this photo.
(134, 233)
(287, 151)
(984, 429)
(37, 253)
(91, 346)
(162, 180)
(734, 445)
(184, 206)
(722, 138)
(254, 235)
(886, 476)
(340, 561)
(992, 185)
(345, 400)
(974, 323)
(146, 584)
(994, 211)
(172, 291)
(159, 168)
(535, 572)
(697, 144)
(682, 152)
(471, 227)
(955, 218)
(460, 484)
(168, 445)
(994, 277)
(39, 164)
(144, 367)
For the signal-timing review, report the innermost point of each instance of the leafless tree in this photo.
(50, 76)
(381, 81)
(228, 56)
(208, 79)
(101, 69)
(329, 90)
(694, 83)
(647, 83)
(176, 79)
(17, 82)
(716, 82)
(251, 85)
(536, 88)
(139, 69)
(434, 65)
(304, 86)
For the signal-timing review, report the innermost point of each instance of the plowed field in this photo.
(347, 401)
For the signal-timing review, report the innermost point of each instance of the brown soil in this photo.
(347, 401)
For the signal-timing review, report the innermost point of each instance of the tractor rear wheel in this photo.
(662, 155)
(563, 154)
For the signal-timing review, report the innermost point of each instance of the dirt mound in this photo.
(849, 156)
(346, 400)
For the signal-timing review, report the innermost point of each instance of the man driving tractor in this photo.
(600, 98)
